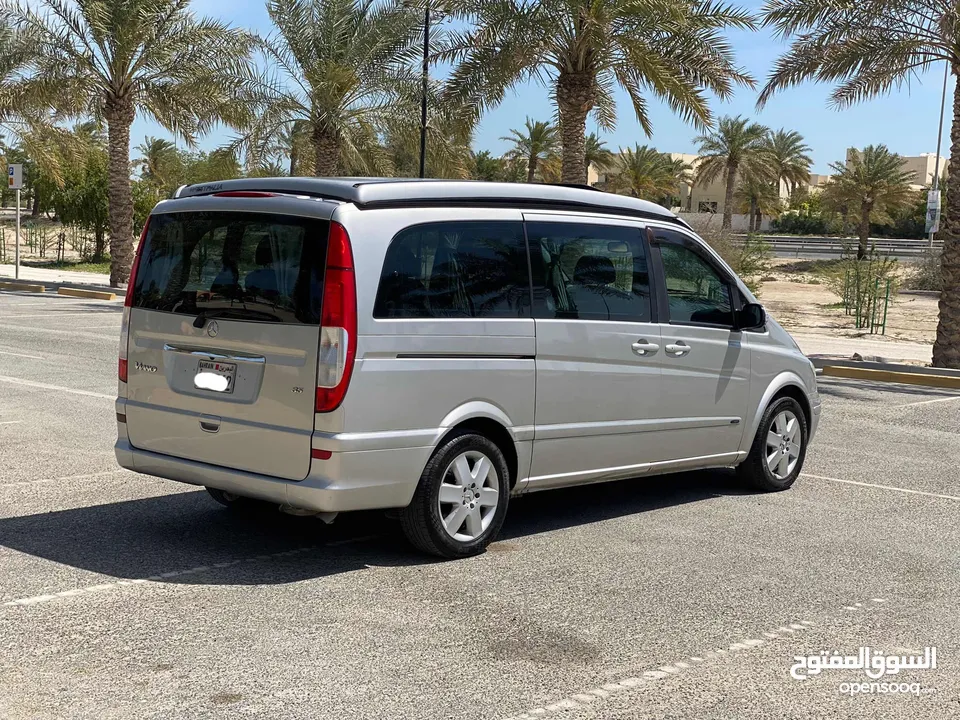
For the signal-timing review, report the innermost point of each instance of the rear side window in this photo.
(455, 270)
(583, 271)
(241, 266)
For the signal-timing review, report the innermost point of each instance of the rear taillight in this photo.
(127, 304)
(338, 322)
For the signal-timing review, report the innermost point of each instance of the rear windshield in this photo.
(234, 265)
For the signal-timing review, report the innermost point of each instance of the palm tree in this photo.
(758, 196)
(113, 59)
(344, 69)
(159, 162)
(596, 154)
(867, 49)
(737, 145)
(293, 141)
(788, 157)
(644, 172)
(538, 142)
(871, 184)
(583, 50)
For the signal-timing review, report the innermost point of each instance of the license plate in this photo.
(215, 376)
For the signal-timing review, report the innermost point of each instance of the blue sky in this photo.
(905, 121)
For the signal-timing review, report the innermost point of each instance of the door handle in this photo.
(677, 349)
(644, 348)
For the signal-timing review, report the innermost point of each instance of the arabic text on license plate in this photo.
(216, 376)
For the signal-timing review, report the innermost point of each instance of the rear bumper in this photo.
(363, 480)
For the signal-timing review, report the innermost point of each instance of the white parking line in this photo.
(883, 487)
(595, 695)
(58, 388)
(87, 476)
(927, 402)
(29, 357)
(37, 599)
(49, 315)
(10, 422)
(51, 331)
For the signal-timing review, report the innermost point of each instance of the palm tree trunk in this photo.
(576, 96)
(120, 114)
(759, 218)
(294, 161)
(531, 168)
(728, 198)
(326, 146)
(753, 215)
(946, 350)
(864, 236)
(36, 204)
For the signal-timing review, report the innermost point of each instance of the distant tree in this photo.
(788, 157)
(737, 145)
(757, 196)
(83, 200)
(113, 59)
(870, 185)
(160, 162)
(597, 154)
(537, 142)
(644, 172)
(487, 167)
(583, 51)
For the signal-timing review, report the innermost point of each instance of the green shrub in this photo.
(925, 273)
(750, 258)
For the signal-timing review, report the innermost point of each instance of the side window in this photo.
(589, 272)
(455, 270)
(696, 293)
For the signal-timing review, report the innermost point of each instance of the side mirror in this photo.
(751, 317)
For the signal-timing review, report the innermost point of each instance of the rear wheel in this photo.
(462, 498)
(778, 450)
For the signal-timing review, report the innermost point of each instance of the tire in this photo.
(425, 521)
(238, 503)
(775, 423)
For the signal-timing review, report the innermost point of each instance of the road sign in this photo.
(933, 211)
(14, 176)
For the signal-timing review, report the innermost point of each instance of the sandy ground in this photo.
(799, 304)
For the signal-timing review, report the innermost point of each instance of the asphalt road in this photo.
(123, 596)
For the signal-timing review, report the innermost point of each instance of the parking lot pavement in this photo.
(123, 596)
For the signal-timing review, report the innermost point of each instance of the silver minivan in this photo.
(436, 347)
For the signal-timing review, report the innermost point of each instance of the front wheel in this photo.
(778, 450)
(462, 498)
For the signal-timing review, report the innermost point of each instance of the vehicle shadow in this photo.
(183, 531)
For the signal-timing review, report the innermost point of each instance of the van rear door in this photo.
(223, 332)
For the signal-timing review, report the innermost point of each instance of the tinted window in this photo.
(696, 292)
(455, 269)
(243, 266)
(589, 272)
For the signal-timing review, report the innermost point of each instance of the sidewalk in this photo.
(56, 277)
(845, 347)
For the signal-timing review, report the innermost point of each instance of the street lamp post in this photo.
(936, 163)
(423, 100)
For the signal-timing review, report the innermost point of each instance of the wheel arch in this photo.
(786, 384)
(491, 422)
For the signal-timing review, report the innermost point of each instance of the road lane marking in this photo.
(29, 357)
(10, 422)
(161, 577)
(583, 698)
(87, 476)
(54, 314)
(58, 388)
(53, 331)
(883, 487)
(928, 402)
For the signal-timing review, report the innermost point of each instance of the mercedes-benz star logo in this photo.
(213, 329)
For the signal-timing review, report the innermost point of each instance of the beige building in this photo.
(921, 168)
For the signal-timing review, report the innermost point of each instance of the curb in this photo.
(24, 287)
(89, 294)
(880, 364)
(906, 378)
